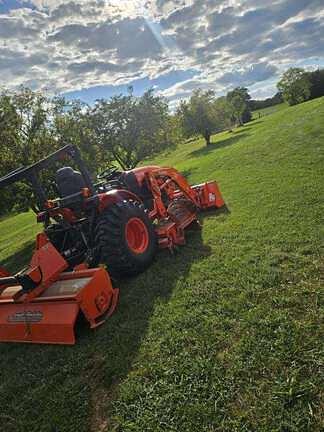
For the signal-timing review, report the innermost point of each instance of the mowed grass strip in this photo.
(225, 335)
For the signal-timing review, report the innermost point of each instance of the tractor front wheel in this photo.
(125, 239)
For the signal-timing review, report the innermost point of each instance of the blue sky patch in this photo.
(8, 5)
(163, 82)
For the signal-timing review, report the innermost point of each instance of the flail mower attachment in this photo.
(41, 304)
(185, 201)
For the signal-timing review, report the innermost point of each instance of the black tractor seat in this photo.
(69, 181)
(70, 184)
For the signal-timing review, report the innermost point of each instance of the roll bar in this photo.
(30, 173)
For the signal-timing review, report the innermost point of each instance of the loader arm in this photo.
(153, 175)
(203, 196)
(180, 181)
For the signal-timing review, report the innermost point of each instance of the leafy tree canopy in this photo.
(200, 116)
(238, 100)
(130, 128)
(295, 86)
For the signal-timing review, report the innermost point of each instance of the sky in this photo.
(91, 49)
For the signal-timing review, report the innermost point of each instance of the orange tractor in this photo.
(120, 222)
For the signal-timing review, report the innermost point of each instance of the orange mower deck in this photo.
(47, 314)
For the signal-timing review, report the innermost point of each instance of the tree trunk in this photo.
(207, 138)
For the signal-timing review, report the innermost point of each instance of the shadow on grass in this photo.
(88, 374)
(122, 337)
(213, 212)
(247, 126)
(220, 144)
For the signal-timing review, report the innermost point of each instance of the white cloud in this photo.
(68, 45)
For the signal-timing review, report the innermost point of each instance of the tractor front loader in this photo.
(120, 221)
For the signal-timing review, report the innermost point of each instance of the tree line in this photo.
(298, 85)
(123, 129)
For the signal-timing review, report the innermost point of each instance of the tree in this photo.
(23, 123)
(71, 124)
(130, 128)
(198, 115)
(31, 127)
(25, 137)
(238, 100)
(32, 110)
(155, 125)
(295, 86)
(223, 113)
(317, 83)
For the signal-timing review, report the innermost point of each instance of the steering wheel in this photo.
(108, 173)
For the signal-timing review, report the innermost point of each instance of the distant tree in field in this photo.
(130, 128)
(9, 123)
(198, 115)
(295, 86)
(238, 107)
(238, 100)
(157, 128)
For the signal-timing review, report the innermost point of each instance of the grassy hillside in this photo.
(223, 336)
(269, 110)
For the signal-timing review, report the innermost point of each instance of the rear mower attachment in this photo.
(42, 304)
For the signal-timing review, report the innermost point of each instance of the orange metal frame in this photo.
(47, 313)
(203, 196)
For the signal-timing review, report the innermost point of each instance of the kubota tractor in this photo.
(120, 221)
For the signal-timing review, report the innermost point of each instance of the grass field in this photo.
(226, 335)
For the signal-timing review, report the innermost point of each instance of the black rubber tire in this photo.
(110, 238)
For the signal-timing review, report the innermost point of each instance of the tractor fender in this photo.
(115, 196)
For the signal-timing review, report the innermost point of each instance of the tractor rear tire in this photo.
(125, 238)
